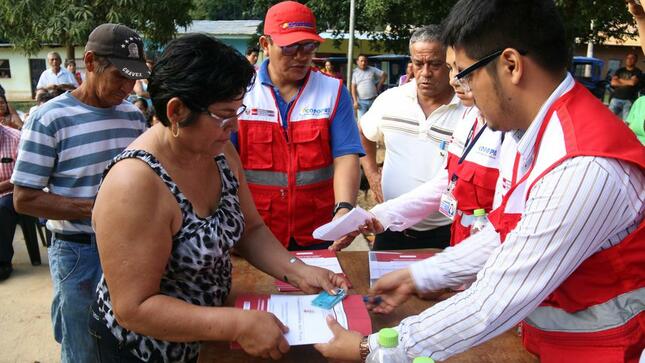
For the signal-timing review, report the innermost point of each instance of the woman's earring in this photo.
(174, 129)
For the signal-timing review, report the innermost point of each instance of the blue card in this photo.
(326, 301)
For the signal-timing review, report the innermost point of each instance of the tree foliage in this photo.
(392, 21)
(29, 24)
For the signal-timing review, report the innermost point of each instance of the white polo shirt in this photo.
(63, 77)
(413, 143)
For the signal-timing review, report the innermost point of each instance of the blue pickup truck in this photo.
(592, 79)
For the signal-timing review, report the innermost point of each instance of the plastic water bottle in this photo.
(388, 351)
(423, 360)
(480, 221)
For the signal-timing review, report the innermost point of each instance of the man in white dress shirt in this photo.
(566, 245)
(56, 75)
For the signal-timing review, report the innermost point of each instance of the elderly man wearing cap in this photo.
(298, 139)
(65, 148)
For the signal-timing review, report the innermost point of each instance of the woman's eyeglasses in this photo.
(225, 121)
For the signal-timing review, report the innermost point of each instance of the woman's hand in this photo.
(261, 334)
(343, 346)
(312, 279)
(393, 288)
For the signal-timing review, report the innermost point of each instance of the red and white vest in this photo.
(477, 174)
(596, 314)
(290, 173)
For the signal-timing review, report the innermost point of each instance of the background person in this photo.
(55, 75)
(7, 117)
(252, 54)
(298, 141)
(636, 118)
(561, 259)
(329, 70)
(9, 139)
(625, 83)
(70, 65)
(65, 147)
(408, 75)
(367, 82)
(186, 171)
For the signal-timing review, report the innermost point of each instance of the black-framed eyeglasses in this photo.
(305, 48)
(462, 78)
(225, 121)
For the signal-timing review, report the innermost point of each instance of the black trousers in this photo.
(410, 239)
(8, 222)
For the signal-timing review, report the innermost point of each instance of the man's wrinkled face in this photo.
(429, 68)
(54, 62)
(112, 87)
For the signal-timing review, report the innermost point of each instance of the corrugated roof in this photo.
(222, 27)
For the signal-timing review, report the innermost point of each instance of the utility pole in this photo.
(350, 44)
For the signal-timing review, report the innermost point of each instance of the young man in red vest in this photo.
(298, 139)
(566, 245)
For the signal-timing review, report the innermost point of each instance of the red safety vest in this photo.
(476, 175)
(290, 173)
(596, 314)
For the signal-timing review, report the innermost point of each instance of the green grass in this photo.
(23, 106)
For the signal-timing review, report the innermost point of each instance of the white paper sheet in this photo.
(307, 324)
(343, 225)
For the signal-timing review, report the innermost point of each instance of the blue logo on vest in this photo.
(315, 112)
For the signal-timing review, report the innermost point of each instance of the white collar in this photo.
(527, 143)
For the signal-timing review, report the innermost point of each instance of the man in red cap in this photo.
(298, 139)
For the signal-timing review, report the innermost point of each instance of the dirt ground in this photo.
(25, 327)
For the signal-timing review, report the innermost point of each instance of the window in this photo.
(5, 70)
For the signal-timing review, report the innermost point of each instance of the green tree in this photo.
(392, 21)
(29, 24)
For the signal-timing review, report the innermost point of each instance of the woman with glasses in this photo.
(170, 209)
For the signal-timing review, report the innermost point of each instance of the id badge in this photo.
(448, 205)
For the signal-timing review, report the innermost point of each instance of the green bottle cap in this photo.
(388, 338)
(423, 360)
(479, 212)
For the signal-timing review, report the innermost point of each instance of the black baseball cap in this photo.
(122, 46)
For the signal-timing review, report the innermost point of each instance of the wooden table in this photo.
(247, 279)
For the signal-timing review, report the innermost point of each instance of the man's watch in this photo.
(364, 348)
(340, 206)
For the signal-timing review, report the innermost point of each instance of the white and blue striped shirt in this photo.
(66, 146)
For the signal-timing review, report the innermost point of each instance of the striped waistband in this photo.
(280, 179)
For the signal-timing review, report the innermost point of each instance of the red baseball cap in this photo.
(290, 22)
